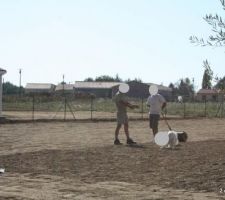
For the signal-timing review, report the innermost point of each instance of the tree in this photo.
(105, 78)
(186, 88)
(118, 79)
(138, 80)
(183, 87)
(174, 90)
(220, 83)
(89, 79)
(9, 88)
(207, 76)
(218, 28)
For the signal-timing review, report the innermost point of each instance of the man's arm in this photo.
(126, 103)
(164, 111)
(148, 102)
(163, 105)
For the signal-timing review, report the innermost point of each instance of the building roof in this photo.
(43, 86)
(95, 85)
(207, 91)
(108, 85)
(64, 87)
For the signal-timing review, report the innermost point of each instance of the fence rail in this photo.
(38, 107)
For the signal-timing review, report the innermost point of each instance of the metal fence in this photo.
(57, 107)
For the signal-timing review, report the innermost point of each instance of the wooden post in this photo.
(205, 108)
(184, 110)
(64, 108)
(91, 107)
(33, 107)
(2, 72)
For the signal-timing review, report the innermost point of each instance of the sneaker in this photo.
(130, 141)
(117, 142)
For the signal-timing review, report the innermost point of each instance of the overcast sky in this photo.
(146, 39)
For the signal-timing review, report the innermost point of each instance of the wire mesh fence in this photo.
(67, 107)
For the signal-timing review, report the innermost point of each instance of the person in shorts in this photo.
(156, 102)
(121, 102)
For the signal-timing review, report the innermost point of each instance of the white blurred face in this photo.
(124, 88)
(161, 138)
(153, 89)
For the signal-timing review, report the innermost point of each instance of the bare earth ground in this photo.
(79, 161)
(28, 115)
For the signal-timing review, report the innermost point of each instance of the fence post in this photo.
(222, 111)
(142, 108)
(64, 108)
(184, 110)
(33, 107)
(91, 108)
(205, 108)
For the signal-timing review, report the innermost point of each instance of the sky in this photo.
(146, 39)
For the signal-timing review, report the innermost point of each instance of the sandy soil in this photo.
(79, 161)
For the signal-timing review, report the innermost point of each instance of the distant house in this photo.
(141, 90)
(64, 89)
(207, 95)
(39, 88)
(137, 90)
(99, 89)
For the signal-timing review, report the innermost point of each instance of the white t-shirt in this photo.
(155, 102)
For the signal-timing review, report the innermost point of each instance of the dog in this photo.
(175, 138)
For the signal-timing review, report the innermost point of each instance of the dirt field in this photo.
(55, 161)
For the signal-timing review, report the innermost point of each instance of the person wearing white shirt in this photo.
(156, 102)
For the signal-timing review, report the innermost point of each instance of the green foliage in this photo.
(118, 79)
(104, 107)
(89, 79)
(9, 88)
(218, 29)
(104, 78)
(193, 109)
(138, 80)
(183, 88)
(186, 88)
(220, 83)
(207, 76)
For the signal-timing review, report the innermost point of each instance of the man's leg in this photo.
(116, 141)
(117, 131)
(155, 130)
(151, 123)
(126, 130)
(155, 124)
